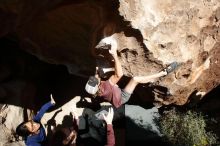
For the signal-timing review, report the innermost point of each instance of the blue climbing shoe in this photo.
(170, 68)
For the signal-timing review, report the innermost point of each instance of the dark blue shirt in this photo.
(37, 139)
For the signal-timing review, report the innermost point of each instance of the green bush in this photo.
(186, 129)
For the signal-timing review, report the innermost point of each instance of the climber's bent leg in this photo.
(129, 88)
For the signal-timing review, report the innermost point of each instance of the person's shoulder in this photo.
(31, 141)
(108, 83)
(28, 140)
(112, 84)
(104, 82)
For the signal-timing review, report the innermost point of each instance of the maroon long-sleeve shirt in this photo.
(110, 136)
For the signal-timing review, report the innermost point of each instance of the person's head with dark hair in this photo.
(27, 128)
(22, 130)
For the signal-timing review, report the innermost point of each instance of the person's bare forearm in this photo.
(118, 67)
(97, 75)
(96, 72)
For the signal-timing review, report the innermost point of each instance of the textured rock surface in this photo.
(8, 114)
(183, 31)
(150, 35)
(66, 33)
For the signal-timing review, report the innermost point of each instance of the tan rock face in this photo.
(183, 31)
(66, 32)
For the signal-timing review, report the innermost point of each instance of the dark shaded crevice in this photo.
(209, 105)
(143, 94)
(31, 81)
